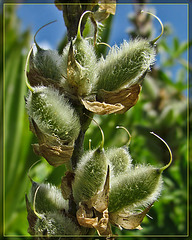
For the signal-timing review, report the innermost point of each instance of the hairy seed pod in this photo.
(56, 223)
(119, 160)
(90, 175)
(49, 198)
(140, 186)
(52, 113)
(49, 64)
(79, 59)
(124, 66)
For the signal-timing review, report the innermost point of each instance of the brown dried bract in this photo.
(128, 220)
(106, 7)
(55, 155)
(118, 101)
(127, 97)
(101, 108)
(54, 150)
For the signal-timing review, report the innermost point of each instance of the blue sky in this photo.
(36, 15)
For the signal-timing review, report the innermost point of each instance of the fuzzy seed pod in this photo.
(124, 66)
(49, 64)
(119, 160)
(80, 60)
(55, 223)
(137, 187)
(90, 175)
(53, 114)
(48, 198)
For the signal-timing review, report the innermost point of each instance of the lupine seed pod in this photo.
(137, 187)
(80, 64)
(124, 66)
(47, 62)
(52, 113)
(140, 186)
(90, 174)
(120, 160)
(48, 199)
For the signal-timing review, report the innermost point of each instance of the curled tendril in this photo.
(31, 168)
(34, 209)
(102, 134)
(129, 140)
(40, 30)
(171, 156)
(26, 65)
(162, 27)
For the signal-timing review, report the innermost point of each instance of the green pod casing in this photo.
(119, 160)
(49, 64)
(90, 175)
(81, 73)
(124, 66)
(53, 114)
(140, 186)
(48, 198)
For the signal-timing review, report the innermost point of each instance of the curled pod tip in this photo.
(26, 65)
(170, 153)
(37, 46)
(162, 27)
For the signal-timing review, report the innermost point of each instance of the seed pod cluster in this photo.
(105, 184)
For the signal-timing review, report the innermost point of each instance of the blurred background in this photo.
(163, 108)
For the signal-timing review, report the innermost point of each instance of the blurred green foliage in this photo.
(162, 108)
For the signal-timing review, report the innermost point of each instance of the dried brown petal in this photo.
(55, 155)
(85, 217)
(54, 150)
(102, 108)
(106, 7)
(31, 217)
(128, 220)
(100, 222)
(127, 97)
